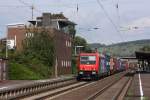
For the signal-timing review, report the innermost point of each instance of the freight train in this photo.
(96, 65)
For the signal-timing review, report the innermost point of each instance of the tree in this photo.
(72, 31)
(40, 45)
(2, 50)
(36, 59)
(145, 49)
(79, 41)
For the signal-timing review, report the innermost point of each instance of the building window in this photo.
(62, 63)
(28, 35)
(66, 64)
(68, 44)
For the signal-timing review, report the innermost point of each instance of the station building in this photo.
(143, 60)
(58, 27)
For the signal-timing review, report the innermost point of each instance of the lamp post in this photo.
(6, 49)
(56, 67)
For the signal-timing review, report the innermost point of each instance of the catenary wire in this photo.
(106, 14)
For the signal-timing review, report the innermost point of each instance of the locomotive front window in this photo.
(89, 60)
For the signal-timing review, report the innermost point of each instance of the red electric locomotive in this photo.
(88, 65)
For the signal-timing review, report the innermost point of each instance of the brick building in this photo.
(59, 27)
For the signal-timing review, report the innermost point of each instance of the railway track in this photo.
(56, 92)
(74, 92)
(114, 90)
(26, 89)
(58, 88)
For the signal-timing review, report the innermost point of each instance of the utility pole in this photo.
(6, 49)
(56, 68)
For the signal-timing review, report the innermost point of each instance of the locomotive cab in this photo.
(88, 66)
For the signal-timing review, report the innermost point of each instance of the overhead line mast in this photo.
(31, 6)
(118, 14)
(109, 18)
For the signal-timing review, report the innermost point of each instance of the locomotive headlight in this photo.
(94, 69)
(93, 72)
(80, 72)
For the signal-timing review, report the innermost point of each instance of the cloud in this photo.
(88, 16)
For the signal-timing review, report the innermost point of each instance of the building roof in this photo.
(3, 39)
(143, 55)
(53, 16)
(65, 21)
(16, 24)
(58, 16)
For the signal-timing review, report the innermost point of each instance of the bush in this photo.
(22, 72)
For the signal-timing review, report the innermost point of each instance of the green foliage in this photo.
(128, 48)
(145, 48)
(72, 30)
(79, 41)
(36, 59)
(21, 72)
(2, 50)
(125, 48)
(40, 46)
(74, 65)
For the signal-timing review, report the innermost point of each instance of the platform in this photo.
(140, 87)
(7, 84)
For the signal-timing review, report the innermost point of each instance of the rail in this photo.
(54, 93)
(31, 88)
(120, 94)
(123, 91)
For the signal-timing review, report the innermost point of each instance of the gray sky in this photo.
(130, 15)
